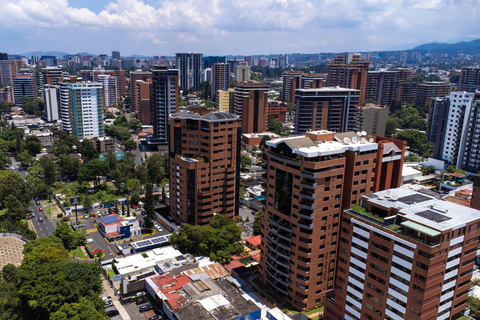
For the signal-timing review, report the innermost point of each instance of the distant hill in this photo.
(462, 46)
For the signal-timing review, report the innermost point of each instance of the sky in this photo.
(237, 27)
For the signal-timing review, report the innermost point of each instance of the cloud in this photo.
(288, 25)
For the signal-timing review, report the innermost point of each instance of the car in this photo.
(40, 219)
(143, 213)
(141, 301)
(80, 225)
(145, 308)
(112, 313)
(94, 214)
(108, 304)
(133, 206)
(31, 215)
(97, 250)
(37, 203)
(140, 293)
(41, 209)
(254, 213)
(155, 317)
(106, 299)
(85, 216)
(89, 240)
(158, 227)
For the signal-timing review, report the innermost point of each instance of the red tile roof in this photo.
(167, 283)
(254, 241)
(457, 201)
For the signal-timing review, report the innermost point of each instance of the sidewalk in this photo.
(109, 292)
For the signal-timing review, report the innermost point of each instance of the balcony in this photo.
(306, 185)
(309, 175)
(283, 159)
(305, 215)
(309, 196)
(305, 226)
(306, 205)
(286, 237)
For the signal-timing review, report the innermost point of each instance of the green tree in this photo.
(135, 199)
(92, 171)
(13, 184)
(130, 145)
(112, 160)
(25, 159)
(391, 126)
(37, 182)
(149, 207)
(474, 305)
(261, 145)
(121, 121)
(156, 168)
(87, 202)
(33, 145)
(132, 185)
(70, 239)
(49, 170)
(412, 157)
(85, 309)
(257, 224)
(88, 150)
(69, 167)
(4, 160)
(275, 126)
(245, 161)
(135, 124)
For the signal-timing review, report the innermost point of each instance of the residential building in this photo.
(6, 94)
(311, 80)
(204, 156)
(407, 91)
(405, 255)
(437, 124)
(327, 108)
(190, 67)
(349, 70)
(254, 139)
(103, 144)
(134, 77)
(82, 107)
(372, 119)
(143, 100)
(277, 110)
(110, 89)
(382, 86)
(119, 75)
(116, 55)
(469, 79)
(310, 180)
(164, 93)
(225, 100)
(293, 80)
(250, 105)
(242, 72)
(50, 76)
(428, 90)
(114, 227)
(220, 77)
(9, 69)
(51, 96)
(24, 85)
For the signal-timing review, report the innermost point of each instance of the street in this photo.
(16, 167)
(44, 228)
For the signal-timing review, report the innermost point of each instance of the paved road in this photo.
(16, 167)
(247, 212)
(44, 228)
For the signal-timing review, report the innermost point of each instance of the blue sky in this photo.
(219, 27)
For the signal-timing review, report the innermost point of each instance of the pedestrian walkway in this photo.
(109, 292)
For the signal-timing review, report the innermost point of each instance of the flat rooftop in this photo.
(425, 209)
(145, 260)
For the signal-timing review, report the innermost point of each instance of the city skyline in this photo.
(221, 27)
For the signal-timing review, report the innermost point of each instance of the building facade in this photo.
(164, 95)
(293, 80)
(382, 86)
(52, 101)
(372, 119)
(50, 76)
(430, 89)
(242, 72)
(134, 77)
(220, 77)
(328, 108)
(24, 85)
(277, 110)
(82, 107)
(469, 79)
(250, 105)
(405, 255)
(225, 100)
(190, 67)
(349, 70)
(204, 157)
(310, 179)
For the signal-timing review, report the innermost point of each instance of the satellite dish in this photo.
(346, 140)
(394, 196)
(364, 141)
(359, 133)
(354, 139)
(387, 194)
(381, 197)
(364, 133)
(370, 140)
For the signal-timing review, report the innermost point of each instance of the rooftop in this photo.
(254, 241)
(212, 116)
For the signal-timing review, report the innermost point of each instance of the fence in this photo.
(7, 234)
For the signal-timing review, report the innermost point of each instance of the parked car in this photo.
(141, 301)
(85, 216)
(94, 214)
(97, 250)
(155, 318)
(89, 240)
(140, 293)
(41, 209)
(145, 308)
(112, 313)
(80, 225)
(108, 304)
(143, 213)
(158, 227)
(133, 206)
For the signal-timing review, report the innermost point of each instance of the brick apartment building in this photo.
(310, 179)
(410, 256)
(293, 80)
(204, 156)
(50, 76)
(431, 89)
(220, 77)
(250, 105)
(277, 110)
(349, 70)
(382, 86)
(143, 77)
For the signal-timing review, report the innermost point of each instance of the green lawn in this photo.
(111, 273)
(78, 253)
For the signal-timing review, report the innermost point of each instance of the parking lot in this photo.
(135, 314)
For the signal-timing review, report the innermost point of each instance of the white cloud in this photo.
(299, 25)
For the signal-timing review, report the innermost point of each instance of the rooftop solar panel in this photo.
(414, 198)
(433, 216)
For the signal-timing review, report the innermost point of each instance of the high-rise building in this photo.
(210, 60)
(242, 72)
(225, 100)
(82, 107)
(204, 156)
(310, 179)
(277, 110)
(469, 79)
(119, 75)
(349, 70)
(372, 119)
(328, 108)
(293, 80)
(382, 86)
(430, 89)
(437, 124)
(110, 89)
(250, 105)
(6, 94)
(24, 85)
(404, 255)
(220, 77)
(51, 94)
(50, 75)
(143, 96)
(407, 91)
(190, 66)
(9, 69)
(116, 55)
(164, 94)
(134, 77)
(3, 56)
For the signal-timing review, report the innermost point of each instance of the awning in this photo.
(420, 228)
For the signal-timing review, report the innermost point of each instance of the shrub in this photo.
(59, 215)
(64, 219)
(89, 251)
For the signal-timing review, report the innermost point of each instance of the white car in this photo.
(89, 240)
(158, 227)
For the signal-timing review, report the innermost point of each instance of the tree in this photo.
(112, 160)
(13, 184)
(130, 145)
(69, 166)
(257, 224)
(121, 121)
(391, 126)
(135, 124)
(210, 104)
(132, 185)
(118, 132)
(85, 309)
(70, 239)
(149, 207)
(245, 161)
(88, 150)
(49, 170)
(37, 182)
(87, 202)
(474, 305)
(275, 126)
(33, 145)
(135, 199)
(25, 159)
(156, 168)
(4, 160)
(412, 157)
(16, 210)
(92, 171)
(418, 141)
(261, 145)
